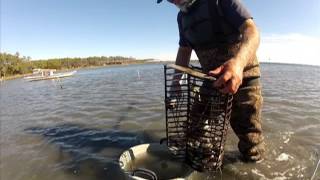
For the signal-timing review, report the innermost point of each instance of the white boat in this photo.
(45, 74)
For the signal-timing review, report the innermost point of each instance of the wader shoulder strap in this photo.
(219, 9)
(224, 27)
(212, 12)
(216, 14)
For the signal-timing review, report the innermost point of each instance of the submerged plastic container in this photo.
(153, 161)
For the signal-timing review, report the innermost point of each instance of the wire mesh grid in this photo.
(197, 117)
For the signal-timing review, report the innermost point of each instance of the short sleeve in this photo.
(183, 42)
(235, 12)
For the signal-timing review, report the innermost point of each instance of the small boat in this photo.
(45, 74)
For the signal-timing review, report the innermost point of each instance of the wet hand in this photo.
(230, 76)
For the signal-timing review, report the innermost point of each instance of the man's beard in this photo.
(185, 4)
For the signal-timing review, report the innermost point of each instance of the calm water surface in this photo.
(77, 132)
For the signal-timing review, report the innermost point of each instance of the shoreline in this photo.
(17, 76)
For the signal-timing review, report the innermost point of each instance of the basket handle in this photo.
(146, 173)
(192, 72)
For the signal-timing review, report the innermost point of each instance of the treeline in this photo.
(14, 64)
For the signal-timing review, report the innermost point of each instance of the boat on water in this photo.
(45, 74)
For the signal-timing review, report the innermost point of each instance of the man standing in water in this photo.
(225, 38)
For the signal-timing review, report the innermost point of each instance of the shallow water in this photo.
(78, 131)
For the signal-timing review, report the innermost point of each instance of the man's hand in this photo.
(230, 76)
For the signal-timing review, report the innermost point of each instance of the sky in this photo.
(43, 29)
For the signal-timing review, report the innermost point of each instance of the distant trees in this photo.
(14, 64)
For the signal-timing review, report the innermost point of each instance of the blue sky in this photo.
(290, 29)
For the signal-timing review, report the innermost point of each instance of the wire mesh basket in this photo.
(197, 117)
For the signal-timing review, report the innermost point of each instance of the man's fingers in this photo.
(231, 87)
(222, 80)
(216, 71)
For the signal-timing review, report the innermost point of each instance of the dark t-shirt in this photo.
(233, 11)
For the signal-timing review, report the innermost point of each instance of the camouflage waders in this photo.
(247, 103)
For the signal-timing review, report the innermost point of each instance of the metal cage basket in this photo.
(197, 117)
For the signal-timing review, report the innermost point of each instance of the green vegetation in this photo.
(11, 65)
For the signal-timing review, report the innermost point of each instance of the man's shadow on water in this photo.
(80, 147)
